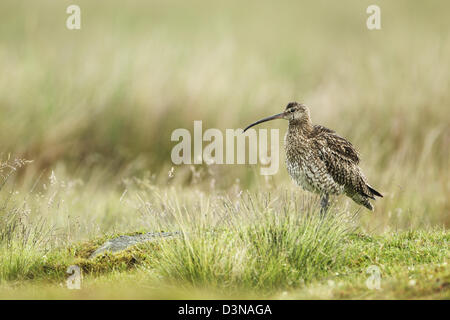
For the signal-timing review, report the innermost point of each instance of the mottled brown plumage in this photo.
(321, 161)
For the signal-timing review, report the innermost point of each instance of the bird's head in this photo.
(294, 112)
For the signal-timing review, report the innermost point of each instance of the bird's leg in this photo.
(324, 204)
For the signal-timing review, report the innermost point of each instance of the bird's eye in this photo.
(292, 110)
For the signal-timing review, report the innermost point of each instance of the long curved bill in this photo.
(277, 116)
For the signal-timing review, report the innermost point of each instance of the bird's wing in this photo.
(335, 143)
(341, 160)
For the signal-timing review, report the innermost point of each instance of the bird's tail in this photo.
(367, 204)
(362, 200)
(375, 192)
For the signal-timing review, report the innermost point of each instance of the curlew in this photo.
(321, 161)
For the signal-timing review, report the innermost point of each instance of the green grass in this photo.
(413, 265)
(269, 244)
(94, 109)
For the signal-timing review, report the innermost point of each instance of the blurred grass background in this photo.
(95, 108)
(100, 103)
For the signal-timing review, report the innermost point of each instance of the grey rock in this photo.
(123, 242)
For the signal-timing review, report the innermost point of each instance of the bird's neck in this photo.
(302, 127)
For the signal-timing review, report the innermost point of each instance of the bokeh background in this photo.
(98, 105)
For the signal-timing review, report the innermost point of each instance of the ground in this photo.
(268, 244)
(413, 265)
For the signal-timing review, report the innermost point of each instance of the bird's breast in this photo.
(299, 164)
(307, 169)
